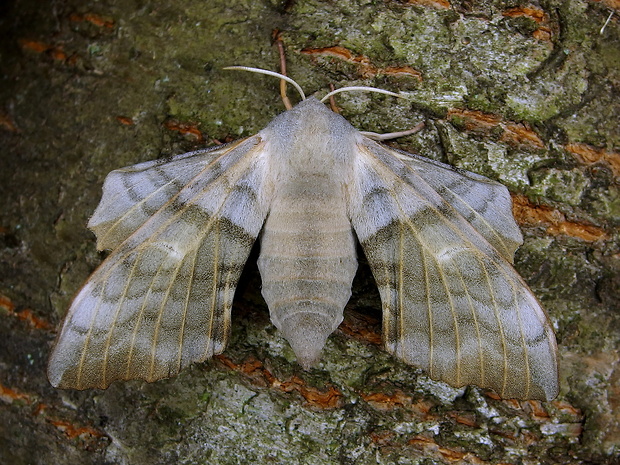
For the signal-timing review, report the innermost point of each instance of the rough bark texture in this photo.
(523, 92)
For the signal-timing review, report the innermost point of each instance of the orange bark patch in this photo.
(185, 129)
(423, 442)
(402, 71)
(330, 398)
(615, 4)
(589, 155)
(397, 400)
(535, 14)
(528, 214)
(513, 133)
(474, 120)
(362, 327)
(24, 315)
(327, 398)
(33, 320)
(520, 134)
(492, 394)
(444, 4)
(7, 123)
(514, 403)
(7, 304)
(536, 409)
(567, 408)
(9, 395)
(125, 120)
(382, 438)
(92, 18)
(40, 409)
(338, 52)
(34, 45)
(384, 401)
(542, 34)
(366, 68)
(431, 449)
(72, 431)
(586, 232)
(90, 437)
(56, 52)
(467, 419)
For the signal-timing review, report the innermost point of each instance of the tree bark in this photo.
(523, 92)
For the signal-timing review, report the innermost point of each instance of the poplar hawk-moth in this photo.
(440, 243)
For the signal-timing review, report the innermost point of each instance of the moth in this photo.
(440, 243)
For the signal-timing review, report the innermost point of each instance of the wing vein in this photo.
(526, 356)
(160, 314)
(501, 240)
(401, 326)
(450, 225)
(80, 367)
(482, 219)
(190, 284)
(194, 178)
(428, 254)
(112, 326)
(139, 321)
(214, 292)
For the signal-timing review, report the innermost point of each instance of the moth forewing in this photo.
(452, 303)
(132, 195)
(162, 298)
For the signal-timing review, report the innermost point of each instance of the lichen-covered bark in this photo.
(523, 92)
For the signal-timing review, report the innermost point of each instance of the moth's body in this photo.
(440, 243)
(308, 259)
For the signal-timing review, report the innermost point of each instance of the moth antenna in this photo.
(373, 135)
(362, 89)
(606, 22)
(272, 73)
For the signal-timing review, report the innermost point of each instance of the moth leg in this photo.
(332, 100)
(393, 135)
(278, 41)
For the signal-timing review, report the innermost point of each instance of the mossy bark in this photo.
(523, 92)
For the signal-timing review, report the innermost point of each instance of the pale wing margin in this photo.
(162, 299)
(452, 303)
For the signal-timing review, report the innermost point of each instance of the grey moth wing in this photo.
(484, 203)
(440, 244)
(181, 231)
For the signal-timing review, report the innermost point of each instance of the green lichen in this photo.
(566, 186)
(494, 159)
(606, 203)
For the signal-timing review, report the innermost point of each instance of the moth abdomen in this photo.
(307, 264)
(306, 298)
(306, 325)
